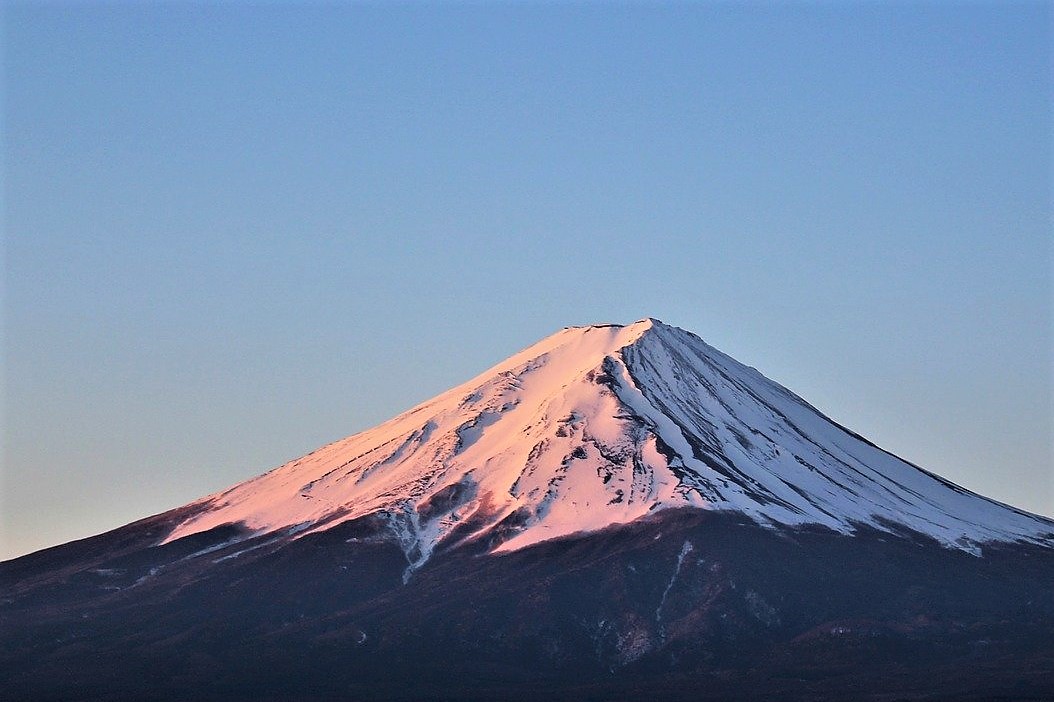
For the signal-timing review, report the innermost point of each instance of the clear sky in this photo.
(235, 233)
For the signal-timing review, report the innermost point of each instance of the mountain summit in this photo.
(602, 425)
(614, 513)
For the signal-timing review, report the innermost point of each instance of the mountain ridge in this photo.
(472, 549)
(598, 425)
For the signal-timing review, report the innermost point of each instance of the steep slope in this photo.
(614, 513)
(601, 425)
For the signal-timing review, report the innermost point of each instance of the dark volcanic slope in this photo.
(686, 605)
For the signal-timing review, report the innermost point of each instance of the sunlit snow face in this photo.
(595, 426)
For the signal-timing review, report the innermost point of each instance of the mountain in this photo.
(602, 425)
(615, 512)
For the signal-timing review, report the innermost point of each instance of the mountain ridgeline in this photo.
(616, 512)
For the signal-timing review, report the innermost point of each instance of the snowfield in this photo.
(602, 425)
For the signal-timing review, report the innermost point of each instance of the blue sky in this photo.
(234, 233)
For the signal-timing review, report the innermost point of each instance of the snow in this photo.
(602, 425)
(686, 549)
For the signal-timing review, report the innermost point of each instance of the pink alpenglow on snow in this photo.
(602, 425)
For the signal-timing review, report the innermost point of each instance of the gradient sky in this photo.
(235, 233)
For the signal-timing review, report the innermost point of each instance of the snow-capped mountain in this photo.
(601, 425)
(616, 512)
